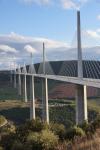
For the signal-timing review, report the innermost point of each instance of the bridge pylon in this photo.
(32, 98)
(19, 81)
(11, 77)
(81, 91)
(25, 88)
(15, 78)
(24, 71)
(45, 107)
(32, 88)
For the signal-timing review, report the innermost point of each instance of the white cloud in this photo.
(68, 4)
(24, 45)
(93, 34)
(65, 4)
(30, 49)
(39, 2)
(19, 47)
(73, 4)
(51, 44)
(6, 48)
(91, 38)
(35, 41)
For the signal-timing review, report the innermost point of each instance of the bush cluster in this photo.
(58, 129)
(33, 134)
(38, 135)
(90, 128)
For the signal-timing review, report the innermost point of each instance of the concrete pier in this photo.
(81, 104)
(11, 77)
(45, 100)
(19, 85)
(81, 91)
(45, 111)
(25, 88)
(32, 99)
(15, 80)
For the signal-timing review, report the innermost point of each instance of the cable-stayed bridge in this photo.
(67, 71)
(81, 73)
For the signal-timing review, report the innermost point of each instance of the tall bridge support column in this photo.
(45, 100)
(25, 88)
(15, 80)
(11, 78)
(81, 104)
(32, 98)
(19, 85)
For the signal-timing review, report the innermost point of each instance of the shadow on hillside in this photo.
(18, 115)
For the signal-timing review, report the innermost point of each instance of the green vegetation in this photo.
(2, 120)
(64, 115)
(32, 135)
(38, 135)
(43, 140)
(58, 129)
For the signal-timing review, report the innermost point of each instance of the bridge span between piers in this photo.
(75, 80)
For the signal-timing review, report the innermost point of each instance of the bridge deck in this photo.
(75, 80)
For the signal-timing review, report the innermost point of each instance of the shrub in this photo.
(90, 128)
(84, 125)
(44, 140)
(33, 136)
(8, 128)
(58, 129)
(35, 125)
(33, 140)
(96, 122)
(73, 132)
(2, 120)
(87, 127)
(48, 139)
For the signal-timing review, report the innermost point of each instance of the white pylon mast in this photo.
(14, 75)
(31, 58)
(80, 66)
(43, 58)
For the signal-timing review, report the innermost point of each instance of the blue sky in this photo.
(25, 24)
(46, 20)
